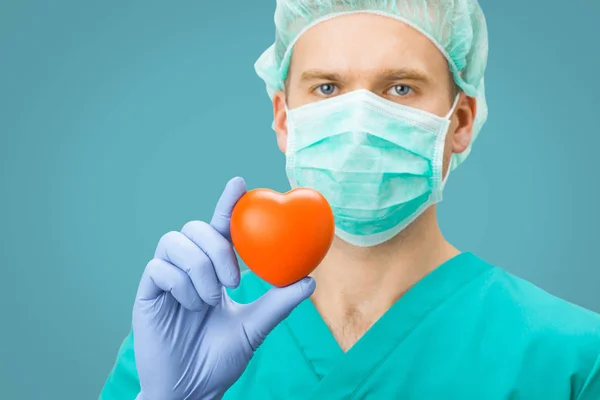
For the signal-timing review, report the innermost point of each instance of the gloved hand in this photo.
(191, 341)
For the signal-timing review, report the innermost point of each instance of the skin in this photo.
(356, 286)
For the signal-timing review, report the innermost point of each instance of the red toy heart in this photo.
(282, 238)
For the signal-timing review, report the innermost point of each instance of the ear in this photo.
(462, 125)
(280, 120)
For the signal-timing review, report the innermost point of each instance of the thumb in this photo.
(264, 314)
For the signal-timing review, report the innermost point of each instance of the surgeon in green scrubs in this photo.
(375, 106)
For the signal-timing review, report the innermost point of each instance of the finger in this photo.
(218, 249)
(179, 250)
(160, 277)
(221, 219)
(268, 311)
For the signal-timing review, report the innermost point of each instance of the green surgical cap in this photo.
(456, 27)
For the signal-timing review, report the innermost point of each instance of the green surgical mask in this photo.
(378, 163)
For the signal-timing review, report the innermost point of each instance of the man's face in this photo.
(380, 54)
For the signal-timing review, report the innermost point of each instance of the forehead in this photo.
(365, 43)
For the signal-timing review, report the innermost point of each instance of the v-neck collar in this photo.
(326, 358)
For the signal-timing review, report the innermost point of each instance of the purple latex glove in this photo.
(191, 341)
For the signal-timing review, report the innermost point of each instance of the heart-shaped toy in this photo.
(282, 238)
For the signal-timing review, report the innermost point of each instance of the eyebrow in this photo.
(317, 74)
(412, 74)
(387, 75)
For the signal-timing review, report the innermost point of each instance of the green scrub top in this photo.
(468, 330)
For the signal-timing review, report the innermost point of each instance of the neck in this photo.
(353, 280)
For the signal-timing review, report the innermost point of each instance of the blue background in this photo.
(122, 120)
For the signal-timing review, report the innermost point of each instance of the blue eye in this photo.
(400, 90)
(327, 89)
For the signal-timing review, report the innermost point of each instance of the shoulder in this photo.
(535, 333)
(547, 331)
(539, 311)
(251, 287)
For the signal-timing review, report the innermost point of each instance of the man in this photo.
(377, 103)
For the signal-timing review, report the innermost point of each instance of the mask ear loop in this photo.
(452, 110)
(287, 112)
(453, 107)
